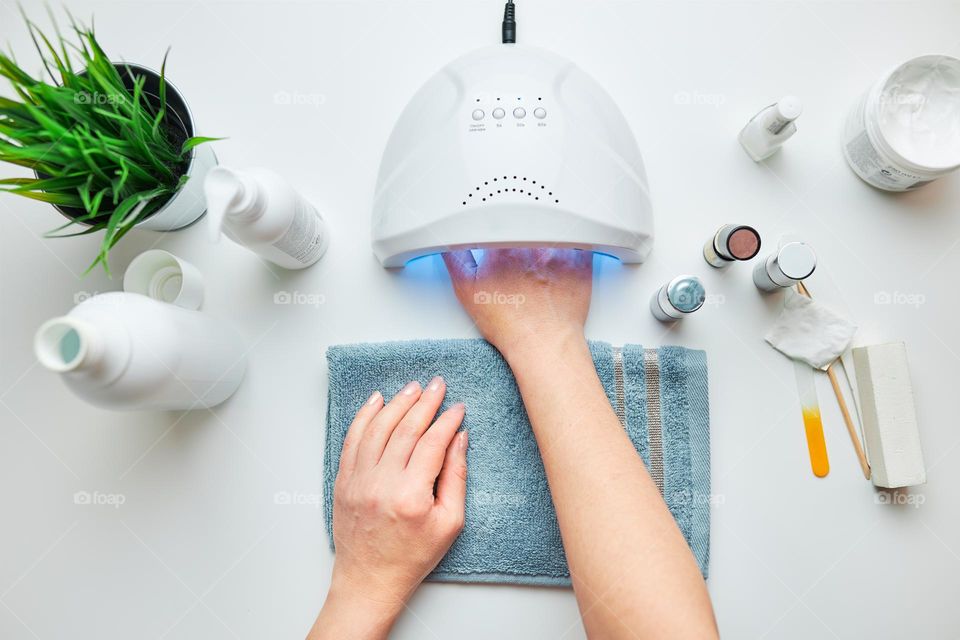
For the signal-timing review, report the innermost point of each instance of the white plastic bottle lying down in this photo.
(127, 351)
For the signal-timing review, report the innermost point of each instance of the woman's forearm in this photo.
(346, 615)
(631, 568)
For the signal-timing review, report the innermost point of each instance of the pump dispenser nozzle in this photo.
(228, 193)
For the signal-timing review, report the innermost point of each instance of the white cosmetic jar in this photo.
(905, 130)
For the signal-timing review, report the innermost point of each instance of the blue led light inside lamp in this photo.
(478, 256)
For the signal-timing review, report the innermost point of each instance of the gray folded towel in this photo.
(511, 533)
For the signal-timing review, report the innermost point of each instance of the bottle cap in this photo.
(789, 107)
(686, 293)
(796, 260)
(163, 276)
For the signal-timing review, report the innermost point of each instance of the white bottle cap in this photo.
(163, 276)
(789, 107)
(796, 260)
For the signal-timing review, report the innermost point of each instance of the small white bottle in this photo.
(126, 351)
(769, 129)
(259, 210)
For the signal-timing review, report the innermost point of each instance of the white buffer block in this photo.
(889, 418)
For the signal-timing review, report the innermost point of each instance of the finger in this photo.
(452, 483)
(413, 424)
(366, 414)
(499, 257)
(460, 265)
(376, 435)
(427, 458)
(583, 259)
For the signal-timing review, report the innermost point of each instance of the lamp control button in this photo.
(499, 113)
(519, 112)
(478, 114)
(540, 113)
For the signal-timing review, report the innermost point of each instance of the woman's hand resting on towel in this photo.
(524, 298)
(389, 528)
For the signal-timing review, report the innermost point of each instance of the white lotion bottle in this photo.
(126, 351)
(261, 211)
(769, 129)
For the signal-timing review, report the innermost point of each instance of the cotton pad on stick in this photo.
(810, 332)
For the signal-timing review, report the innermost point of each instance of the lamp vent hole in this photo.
(519, 183)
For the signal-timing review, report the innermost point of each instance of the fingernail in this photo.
(462, 441)
(459, 406)
(374, 398)
(435, 384)
(411, 388)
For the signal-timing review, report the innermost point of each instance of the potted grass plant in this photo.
(111, 145)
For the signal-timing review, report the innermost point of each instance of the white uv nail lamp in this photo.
(510, 146)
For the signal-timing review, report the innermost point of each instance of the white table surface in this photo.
(200, 548)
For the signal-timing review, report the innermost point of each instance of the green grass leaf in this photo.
(62, 199)
(190, 143)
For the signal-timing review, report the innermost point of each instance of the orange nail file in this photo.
(812, 424)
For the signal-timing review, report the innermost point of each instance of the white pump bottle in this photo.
(126, 351)
(259, 210)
